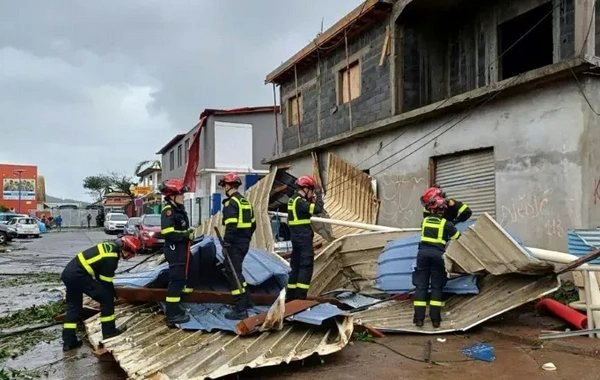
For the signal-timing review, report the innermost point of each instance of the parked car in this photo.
(131, 226)
(115, 222)
(149, 232)
(6, 216)
(7, 233)
(41, 225)
(25, 226)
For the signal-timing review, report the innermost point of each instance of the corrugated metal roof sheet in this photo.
(350, 263)
(398, 260)
(582, 242)
(317, 315)
(349, 196)
(148, 349)
(352, 299)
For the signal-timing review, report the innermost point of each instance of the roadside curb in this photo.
(571, 346)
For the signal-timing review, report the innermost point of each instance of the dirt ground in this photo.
(518, 355)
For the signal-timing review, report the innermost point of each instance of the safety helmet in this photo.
(430, 195)
(232, 179)
(306, 181)
(129, 243)
(438, 205)
(172, 187)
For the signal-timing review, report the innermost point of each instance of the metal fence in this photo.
(73, 218)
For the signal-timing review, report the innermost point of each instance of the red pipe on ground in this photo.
(567, 314)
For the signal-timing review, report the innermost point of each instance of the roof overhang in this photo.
(171, 143)
(361, 18)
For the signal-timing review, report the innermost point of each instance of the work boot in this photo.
(71, 345)
(177, 319)
(110, 331)
(237, 314)
(435, 324)
(418, 322)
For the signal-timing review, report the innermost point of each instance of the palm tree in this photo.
(145, 165)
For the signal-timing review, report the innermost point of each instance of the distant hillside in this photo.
(51, 199)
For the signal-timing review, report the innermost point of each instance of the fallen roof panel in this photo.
(211, 316)
(149, 350)
(318, 314)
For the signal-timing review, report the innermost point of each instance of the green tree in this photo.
(98, 185)
(122, 183)
(3, 208)
(146, 164)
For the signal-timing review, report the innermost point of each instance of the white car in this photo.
(115, 222)
(25, 226)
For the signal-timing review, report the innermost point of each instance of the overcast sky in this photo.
(88, 87)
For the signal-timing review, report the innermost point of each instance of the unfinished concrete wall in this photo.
(537, 139)
(590, 151)
(319, 85)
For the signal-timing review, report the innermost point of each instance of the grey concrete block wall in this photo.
(567, 29)
(374, 102)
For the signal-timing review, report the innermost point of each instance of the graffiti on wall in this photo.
(534, 207)
(399, 195)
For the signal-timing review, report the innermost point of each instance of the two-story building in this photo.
(496, 101)
(230, 140)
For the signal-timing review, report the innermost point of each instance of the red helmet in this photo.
(230, 179)
(130, 244)
(430, 195)
(438, 205)
(306, 181)
(172, 187)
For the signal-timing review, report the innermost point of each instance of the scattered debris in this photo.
(441, 340)
(33, 314)
(567, 334)
(480, 351)
(573, 317)
(549, 367)
(9, 281)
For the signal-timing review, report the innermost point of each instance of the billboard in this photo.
(10, 189)
(141, 190)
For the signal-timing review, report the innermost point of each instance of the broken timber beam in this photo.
(579, 262)
(159, 295)
(251, 324)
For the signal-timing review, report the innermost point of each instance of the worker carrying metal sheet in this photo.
(456, 212)
(175, 229)
(240, 224)
(91, 272)
(301, 207)
(435, 232)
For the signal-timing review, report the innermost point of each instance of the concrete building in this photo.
(231, 140)
(496, 101)
(19, 187)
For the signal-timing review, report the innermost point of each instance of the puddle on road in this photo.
(24, 296)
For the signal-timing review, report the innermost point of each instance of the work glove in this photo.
(191, 233)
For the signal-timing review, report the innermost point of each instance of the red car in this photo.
(148, 231)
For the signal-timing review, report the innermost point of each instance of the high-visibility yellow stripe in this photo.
(292, 286)
(242, 206)
(230, 220)
(436, 303)
(110, 318)
(434, 223)
(106, 279)
(165, 208)
(86, 263)
(462, 208)
(420, 303)
(237, 292)
(173, 299)
(292, 207)
(455, 236)
(188, 290)
(170, 230)
(303, 286)
(70, 326)
(311, 209)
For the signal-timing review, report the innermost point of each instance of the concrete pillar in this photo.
(585, 31)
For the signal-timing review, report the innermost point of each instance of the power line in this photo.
(447, 122)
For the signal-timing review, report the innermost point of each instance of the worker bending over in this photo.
(301, 207)
(91, 272)
(457, 212)
(240, 224)
(435, 232)
(175, 229)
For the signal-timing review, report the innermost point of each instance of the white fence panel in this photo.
(74, 218)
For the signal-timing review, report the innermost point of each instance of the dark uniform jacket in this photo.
(457, 212)
(100, 262)
(300, 211)
(174, 225)
(435, 233)
(238, 219)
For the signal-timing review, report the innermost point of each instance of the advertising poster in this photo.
(10, 189)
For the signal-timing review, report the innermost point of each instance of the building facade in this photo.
(496, 102)
(19, 187)
(231, 140)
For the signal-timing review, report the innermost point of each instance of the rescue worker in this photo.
(305, 203)
(91, 272)
(240, 224)
(435, 232)
(175, 229)
(457, 212)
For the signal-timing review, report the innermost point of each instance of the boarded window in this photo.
(295, 104)
(349, 83)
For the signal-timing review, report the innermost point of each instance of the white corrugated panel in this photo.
(469, 178)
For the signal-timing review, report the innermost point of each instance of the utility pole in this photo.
(20, 173)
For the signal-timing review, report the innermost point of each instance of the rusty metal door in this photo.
(469, 177)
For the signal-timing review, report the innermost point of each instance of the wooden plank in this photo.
(385, 48)
(159, 295)
(251, 324)
(580, 261)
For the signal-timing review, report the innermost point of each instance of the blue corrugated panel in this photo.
(582, 242)
(210, 316)
(352, 299)
(215, 206)
(398, 260)
(317, 314)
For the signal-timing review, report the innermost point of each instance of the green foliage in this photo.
(34, 278)
(3, 208)
(14, 374)
(98, 185)
(566, 294)
(122, 183)
(33, 314)
(146, 164)
(363, 336)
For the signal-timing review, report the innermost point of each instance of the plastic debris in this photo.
(549, 367)
(480, 351)
(441, 340)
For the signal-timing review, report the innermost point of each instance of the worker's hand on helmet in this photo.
(191, 233)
